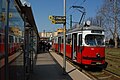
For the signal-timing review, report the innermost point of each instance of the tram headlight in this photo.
(97, 55)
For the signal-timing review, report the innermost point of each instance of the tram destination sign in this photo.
(57, 19)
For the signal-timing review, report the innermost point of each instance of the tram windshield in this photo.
(94, 40)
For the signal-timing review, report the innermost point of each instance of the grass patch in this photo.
(113, 59)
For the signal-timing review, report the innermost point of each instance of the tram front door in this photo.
(74, 46)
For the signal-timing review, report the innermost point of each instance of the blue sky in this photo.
(43, 8)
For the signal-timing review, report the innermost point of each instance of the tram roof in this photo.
(78, 27)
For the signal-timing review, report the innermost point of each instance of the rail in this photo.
(95, 75)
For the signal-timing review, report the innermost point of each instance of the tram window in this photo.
(80, 39)
(20, 40)
(15, 39)
(3, 39)
(0, 38)
(56, 41)
(62, 40)
(94, 39)
(11, 39)
(68, 39)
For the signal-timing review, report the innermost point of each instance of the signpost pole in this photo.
(6, 41)
(61, 20)
(64, 25)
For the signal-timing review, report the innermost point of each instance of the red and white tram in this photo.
(84, 45)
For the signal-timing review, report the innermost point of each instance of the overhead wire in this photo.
(71, 7)
(83, 2)
(75, 3)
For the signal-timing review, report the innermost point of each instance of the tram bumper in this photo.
(95, 62)
(100, 65)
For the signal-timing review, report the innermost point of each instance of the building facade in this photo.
(50, 35)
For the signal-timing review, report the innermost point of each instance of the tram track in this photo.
(95, 75)
(104, 75)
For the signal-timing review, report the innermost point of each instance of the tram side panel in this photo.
(68, 50)
(69, 46)
(1, 43)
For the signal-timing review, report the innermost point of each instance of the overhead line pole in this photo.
(70, 21)
(64, 25)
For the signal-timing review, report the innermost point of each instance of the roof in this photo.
(27, 11)
(29, 15)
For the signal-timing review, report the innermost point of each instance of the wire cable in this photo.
(67, 18)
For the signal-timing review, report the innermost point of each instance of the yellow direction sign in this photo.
(53, 22)
(57, 19)
(57, 22)
(51, 17)
(10, 15)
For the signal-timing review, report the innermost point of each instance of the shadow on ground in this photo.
(46, 68)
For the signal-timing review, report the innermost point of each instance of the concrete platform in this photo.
(49, 68)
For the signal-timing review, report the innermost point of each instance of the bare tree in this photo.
(110, 16)
(97, 21)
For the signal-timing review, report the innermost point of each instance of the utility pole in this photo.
(64, 25)
(6, 41)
